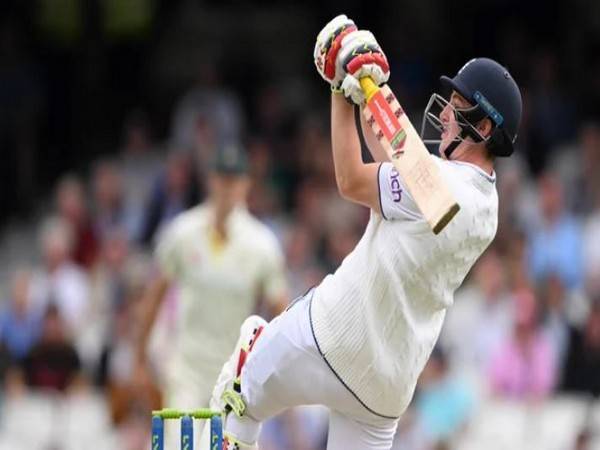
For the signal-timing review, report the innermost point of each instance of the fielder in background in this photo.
(221, 261)
(358, 341)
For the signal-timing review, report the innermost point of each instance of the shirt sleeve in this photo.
(274, 276)
(167, 251)
(394, 199)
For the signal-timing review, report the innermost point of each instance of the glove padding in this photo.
(361, 56)
(327, 47)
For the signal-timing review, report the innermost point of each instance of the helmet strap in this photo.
(452, 146)
(465, 131)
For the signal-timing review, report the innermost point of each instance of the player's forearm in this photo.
(377, 152)
(150, 307)
(345, 144)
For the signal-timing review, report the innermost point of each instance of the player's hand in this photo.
(361, 56)
(327, 47)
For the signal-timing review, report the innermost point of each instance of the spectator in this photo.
(60, 281)
(304, 271)
(127, 392)
(110, 211)
(139, 163)
(444, 402)
(19, 322)
(582, 367)
(552, 296)
(52, 364)
(578, 168)
(480, 317)
(591, 246)
(517, 194)
(108, 279)
(285, 432)
(523, 367)
(549, 104)
(515, 261)
(310, 205)
(314, 151)
(108, 293)
(208, 101)
(555, 245)
(173, 193)
(339, 242)
(264, 198)
(71, 205)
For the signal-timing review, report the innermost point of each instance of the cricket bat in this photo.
(407, 152)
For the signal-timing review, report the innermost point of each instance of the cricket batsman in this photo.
(357, 342)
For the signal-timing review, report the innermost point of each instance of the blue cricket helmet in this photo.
(488, 85)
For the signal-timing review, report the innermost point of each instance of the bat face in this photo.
(387, 120)
(407, 152)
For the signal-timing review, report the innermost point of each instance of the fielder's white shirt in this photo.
(217, 285)
(377, 318)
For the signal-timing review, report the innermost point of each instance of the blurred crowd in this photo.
(525, 326)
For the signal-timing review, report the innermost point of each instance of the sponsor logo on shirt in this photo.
(395, 185)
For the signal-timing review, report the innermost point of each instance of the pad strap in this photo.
(233, 397)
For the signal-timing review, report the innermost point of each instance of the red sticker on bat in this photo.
(388, 122)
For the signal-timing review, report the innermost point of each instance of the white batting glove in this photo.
(327, 47)
(361, 56)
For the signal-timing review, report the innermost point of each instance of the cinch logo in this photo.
(154, 442)
(185, 443)
(215, 443)
(395, 185)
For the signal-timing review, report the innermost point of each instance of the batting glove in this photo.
(361, 56)
(327, 47)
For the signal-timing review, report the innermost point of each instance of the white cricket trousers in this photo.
(285, 369)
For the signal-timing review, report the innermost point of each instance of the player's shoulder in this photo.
(193, 215)
(475, 191)
(188, 219)
(464, 168)
(467, 176)
(258, 231)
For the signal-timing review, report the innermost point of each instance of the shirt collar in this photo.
(490, 177)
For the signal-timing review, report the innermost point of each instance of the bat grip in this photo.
(369, 87)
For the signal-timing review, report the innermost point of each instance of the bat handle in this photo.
(369, 87)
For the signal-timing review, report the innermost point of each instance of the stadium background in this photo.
(108, 112)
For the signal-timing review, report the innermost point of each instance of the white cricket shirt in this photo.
(218, 285)
(377, 318)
